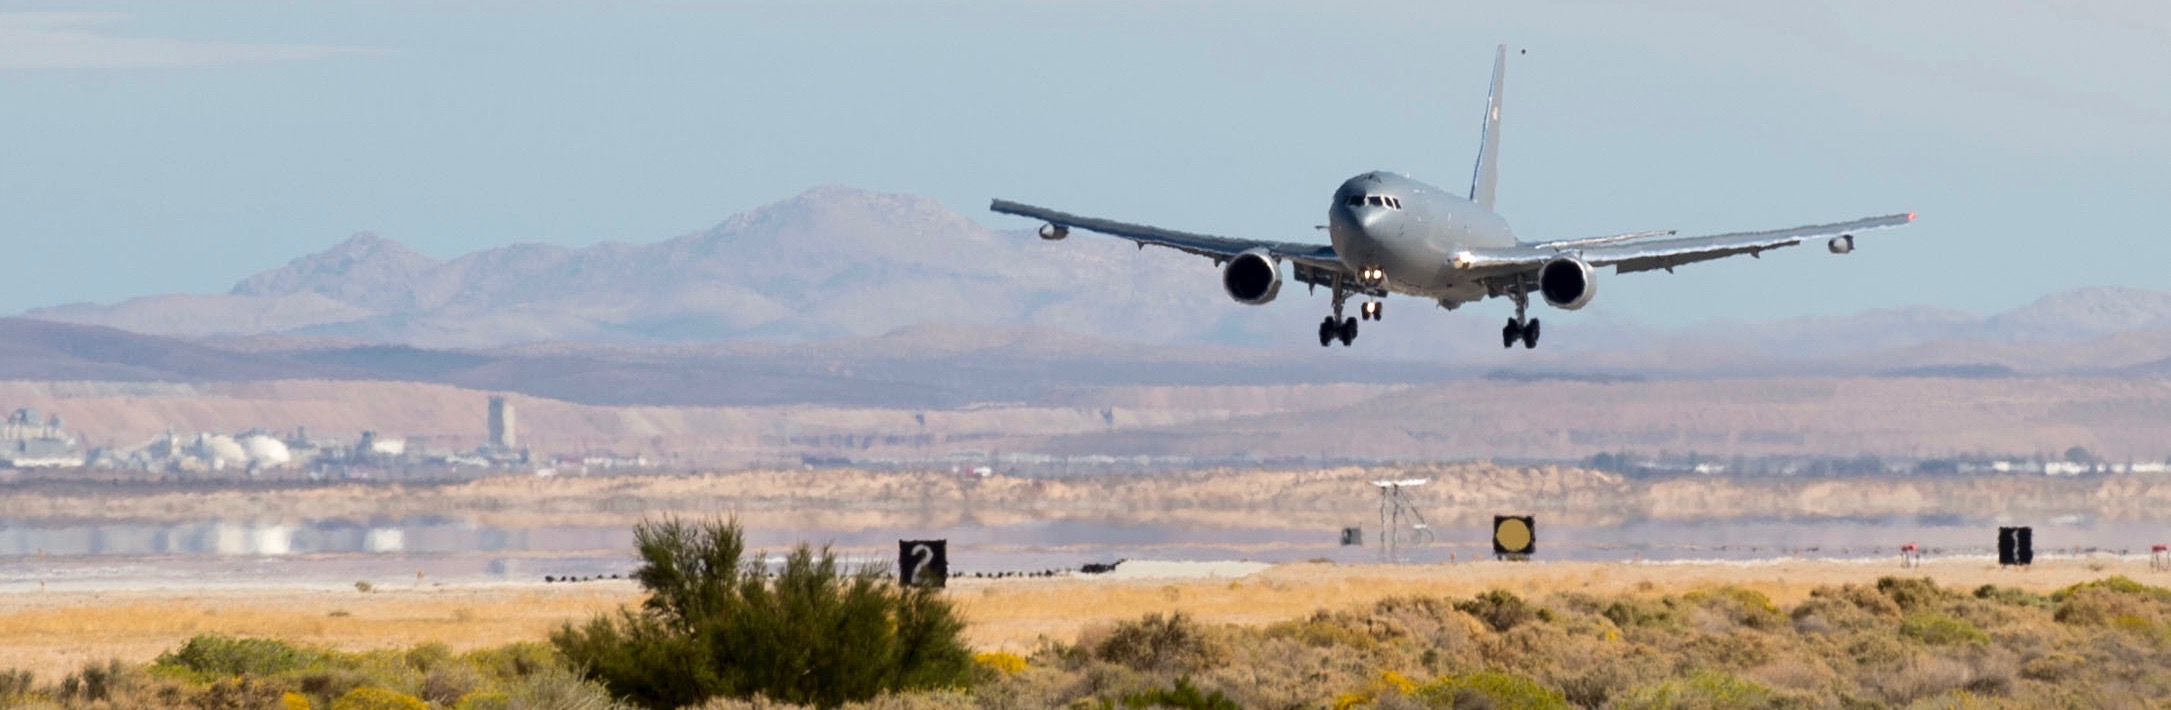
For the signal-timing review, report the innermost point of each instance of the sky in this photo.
(178, 147)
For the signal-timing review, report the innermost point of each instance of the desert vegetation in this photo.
(1900, 642)
(1895, 642)
(718, 624)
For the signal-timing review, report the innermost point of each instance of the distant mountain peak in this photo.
(364, 269)
(830, 207)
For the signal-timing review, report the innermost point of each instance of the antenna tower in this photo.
(1395, 512)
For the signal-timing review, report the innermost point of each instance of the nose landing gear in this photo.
(1370, 310)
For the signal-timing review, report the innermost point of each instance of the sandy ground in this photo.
(53, 632)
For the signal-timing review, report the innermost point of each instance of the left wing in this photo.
(1316, 263)
(1632, 256)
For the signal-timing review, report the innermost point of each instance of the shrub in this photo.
(1631, 613)
(1183, 696)
(1941, 630)
(1702, 689)
(1741, 605)
(375, 698)
(516, 660)
(449, 682)
(1491, 689)
(1000, 662)
(216, 656)
(241, 694)
(16, 683)
(2011, 596)
(1913, 594)
(1158, 643)
(2116, 584)
(1499, 609)
(716, 624)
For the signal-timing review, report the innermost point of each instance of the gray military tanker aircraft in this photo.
(1392, 234)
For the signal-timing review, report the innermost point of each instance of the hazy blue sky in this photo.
(178, 147)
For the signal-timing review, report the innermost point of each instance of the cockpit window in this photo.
(1374, 200)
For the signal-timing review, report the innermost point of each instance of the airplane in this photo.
(1392, 234)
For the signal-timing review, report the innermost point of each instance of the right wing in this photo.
(1631, 255)
(1315, 263)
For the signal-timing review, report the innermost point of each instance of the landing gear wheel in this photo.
(1510, 333)
(1370, 310)
(1348, 331)
(1530, 334)
(1327, 330)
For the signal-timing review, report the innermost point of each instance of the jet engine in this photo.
(1052, 231)
(1841, 244)
(1567, 283)
(1252, 278)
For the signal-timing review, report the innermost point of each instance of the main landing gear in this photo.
(1335, 327)
(1332, 329)
(1520, 327)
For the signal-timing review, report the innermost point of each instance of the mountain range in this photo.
(900, 277)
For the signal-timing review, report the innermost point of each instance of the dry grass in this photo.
(56, 632)
(1014, 615)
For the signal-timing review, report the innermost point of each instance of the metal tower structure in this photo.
(1395, 512)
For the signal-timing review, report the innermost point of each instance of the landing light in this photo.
(1463, 259)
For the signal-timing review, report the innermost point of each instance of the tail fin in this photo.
(1488, 152)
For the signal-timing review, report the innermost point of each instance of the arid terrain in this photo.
(53, 633)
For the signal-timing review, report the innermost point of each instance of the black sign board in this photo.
(923, 563)
(1514, 536)
(2016, 546)
(1352, 536)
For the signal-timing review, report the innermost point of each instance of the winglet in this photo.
(1487, 173)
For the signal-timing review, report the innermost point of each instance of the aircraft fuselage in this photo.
(1409, 231)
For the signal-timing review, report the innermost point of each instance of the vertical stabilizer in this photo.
(1488, 152)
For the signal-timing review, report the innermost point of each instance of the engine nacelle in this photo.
(1252, 278)
(1841, 244)
(1568, 283)
(1052, 231)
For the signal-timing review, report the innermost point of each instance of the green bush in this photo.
(1913, 594)
(1941, 630)
(1499, 609)
(1632, 613)
(1491, 689)
(716, 624)
(1183, 696)
(2116, 584)
(215, 656)
(2011, 596)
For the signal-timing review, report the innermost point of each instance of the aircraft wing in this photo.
(1645, 255)
(1316, 263)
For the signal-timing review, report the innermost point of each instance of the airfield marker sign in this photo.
(1515, 537)
(923, 563)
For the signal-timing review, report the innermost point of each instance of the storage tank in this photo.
(265, 451)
